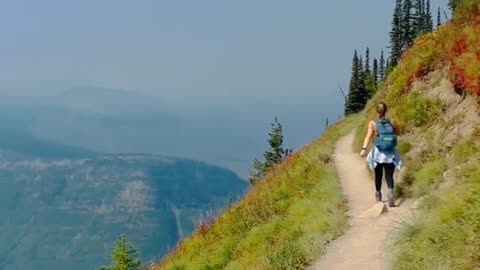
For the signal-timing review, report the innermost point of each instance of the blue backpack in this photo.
(387, 139)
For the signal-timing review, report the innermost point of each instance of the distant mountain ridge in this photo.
(64, 206)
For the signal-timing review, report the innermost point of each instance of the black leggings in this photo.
(389, 169)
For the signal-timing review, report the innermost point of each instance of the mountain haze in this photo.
(64, 206)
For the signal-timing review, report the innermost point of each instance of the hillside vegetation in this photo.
(284, 222)
(433, 93)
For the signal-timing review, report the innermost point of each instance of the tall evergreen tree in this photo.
(368, 78)
(124, 256)
(418, 18)
(353, 104)
(388, 68)
(375, 73)
(439, 18)
(381, 68)
(428, 21)
(363, 91)
(407, 25)
(396, 34)
(367, 60)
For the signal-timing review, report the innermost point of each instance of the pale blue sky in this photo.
(211, 49)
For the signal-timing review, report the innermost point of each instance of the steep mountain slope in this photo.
(433, 94)
(63, 207)
(284, 222)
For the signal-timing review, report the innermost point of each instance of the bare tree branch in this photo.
(446, 16)
(341, 91)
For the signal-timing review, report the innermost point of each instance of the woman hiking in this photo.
(384, 156)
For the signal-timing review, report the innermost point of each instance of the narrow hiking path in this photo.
(366, 244)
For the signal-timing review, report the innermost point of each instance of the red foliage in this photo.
(460, 46)
(478, 85)
(409, 84)
(422, 72)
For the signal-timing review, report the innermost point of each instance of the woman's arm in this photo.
(368, 137)
(395, 127)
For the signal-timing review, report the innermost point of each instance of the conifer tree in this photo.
(406, 25)
(396, 35)
(272, 156)
(369, 82)
(124, 256)
(422, 18)
(375, 73)
(367, 60)
(381, 68)
(353, 98)
(453, 4)
(439, 18)
(258, 172)
(364, 93)
(388, 68)
(418, 25)
(428, 21)
(275, 141)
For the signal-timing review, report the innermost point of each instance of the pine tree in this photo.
(353, 98)
(396, 35)
(418, 18)
(406, 25)
(422, 18)
(258, 172)
(428, 21)
(364, 93)
(453, 4)
(124, 256)
(275, 154)
(367, 60)
(439, 18)
(369, 81)
(272, 156)
(381, 68)
(375, 73)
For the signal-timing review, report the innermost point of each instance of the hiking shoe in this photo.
(378, 196)
(391, 199)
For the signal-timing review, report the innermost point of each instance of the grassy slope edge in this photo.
(284, 222)
(440, 144)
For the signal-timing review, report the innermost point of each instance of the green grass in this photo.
(404, 147)
(417, 110)
(284, 222)
(428, 176)
(446, 235)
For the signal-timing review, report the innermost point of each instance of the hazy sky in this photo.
(212, 49)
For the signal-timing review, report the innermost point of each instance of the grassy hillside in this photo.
(433, 94)
(282, 223)
(285, 221)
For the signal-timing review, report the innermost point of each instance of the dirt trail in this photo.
(366, 243)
